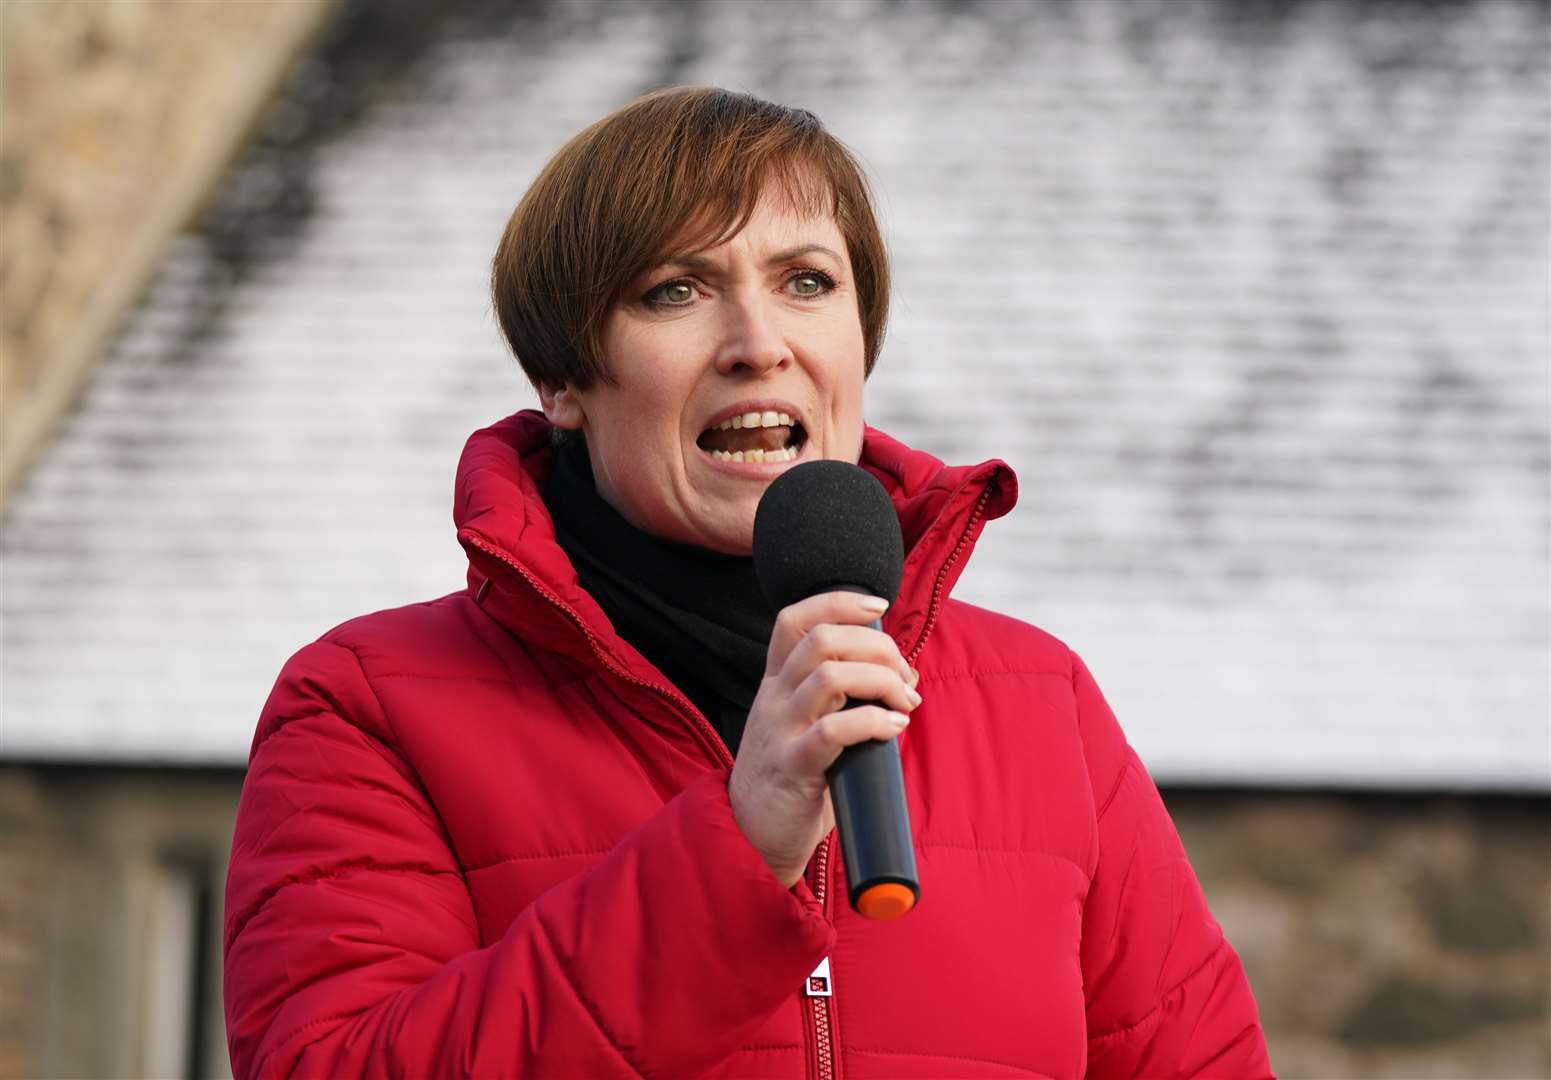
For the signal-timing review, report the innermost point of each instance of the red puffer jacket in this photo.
(483, 836)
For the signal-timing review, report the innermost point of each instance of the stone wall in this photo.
(103, 874)
(117, 119)
(1385, 936)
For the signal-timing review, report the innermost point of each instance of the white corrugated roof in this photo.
(1256, 310)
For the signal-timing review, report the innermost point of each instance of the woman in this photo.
(571, 821)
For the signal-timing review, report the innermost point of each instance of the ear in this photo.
(562, 407)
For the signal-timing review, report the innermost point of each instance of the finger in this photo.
(831, 733)
(795, 620)
(832, 641)
(829, 685)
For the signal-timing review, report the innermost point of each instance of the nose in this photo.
(751, 341)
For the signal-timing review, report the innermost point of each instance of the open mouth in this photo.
(754, 436)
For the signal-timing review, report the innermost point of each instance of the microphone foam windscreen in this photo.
(824, 524)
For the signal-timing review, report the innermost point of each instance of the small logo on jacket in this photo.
(818, 983)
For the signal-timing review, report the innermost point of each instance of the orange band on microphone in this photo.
(886, 900)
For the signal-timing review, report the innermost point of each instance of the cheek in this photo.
(850, 377)
(645, 453)
(651, 395)
(642, 412)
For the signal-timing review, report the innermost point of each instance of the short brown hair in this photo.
(682, 165)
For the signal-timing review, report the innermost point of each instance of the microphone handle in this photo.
(867, 787)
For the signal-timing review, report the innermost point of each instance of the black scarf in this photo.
(698, 615)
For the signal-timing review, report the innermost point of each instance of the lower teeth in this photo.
(786, 453)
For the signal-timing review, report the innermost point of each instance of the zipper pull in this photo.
(818, 984)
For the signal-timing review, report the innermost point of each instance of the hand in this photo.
(822, 652)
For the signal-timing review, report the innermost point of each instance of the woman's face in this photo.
(730, 365)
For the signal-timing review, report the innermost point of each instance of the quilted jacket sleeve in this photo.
(352, 950)
(1166, 995)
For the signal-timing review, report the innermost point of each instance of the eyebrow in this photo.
(697, 262)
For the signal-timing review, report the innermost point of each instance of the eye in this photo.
(671, 294)
(810, 283)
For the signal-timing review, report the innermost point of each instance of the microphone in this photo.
(828, 526)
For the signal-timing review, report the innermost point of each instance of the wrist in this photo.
(783, 870)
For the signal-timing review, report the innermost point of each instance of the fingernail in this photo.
(875, 604)
(900, 719)
(915, 698)
(915, 677)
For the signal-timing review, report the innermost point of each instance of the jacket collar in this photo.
(528, 584)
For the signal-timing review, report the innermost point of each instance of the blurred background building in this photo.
(1252, 295)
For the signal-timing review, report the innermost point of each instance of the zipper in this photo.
(940, 584)
(698, 722)
(823, 1059)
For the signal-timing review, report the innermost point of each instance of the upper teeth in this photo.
(755, 419)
